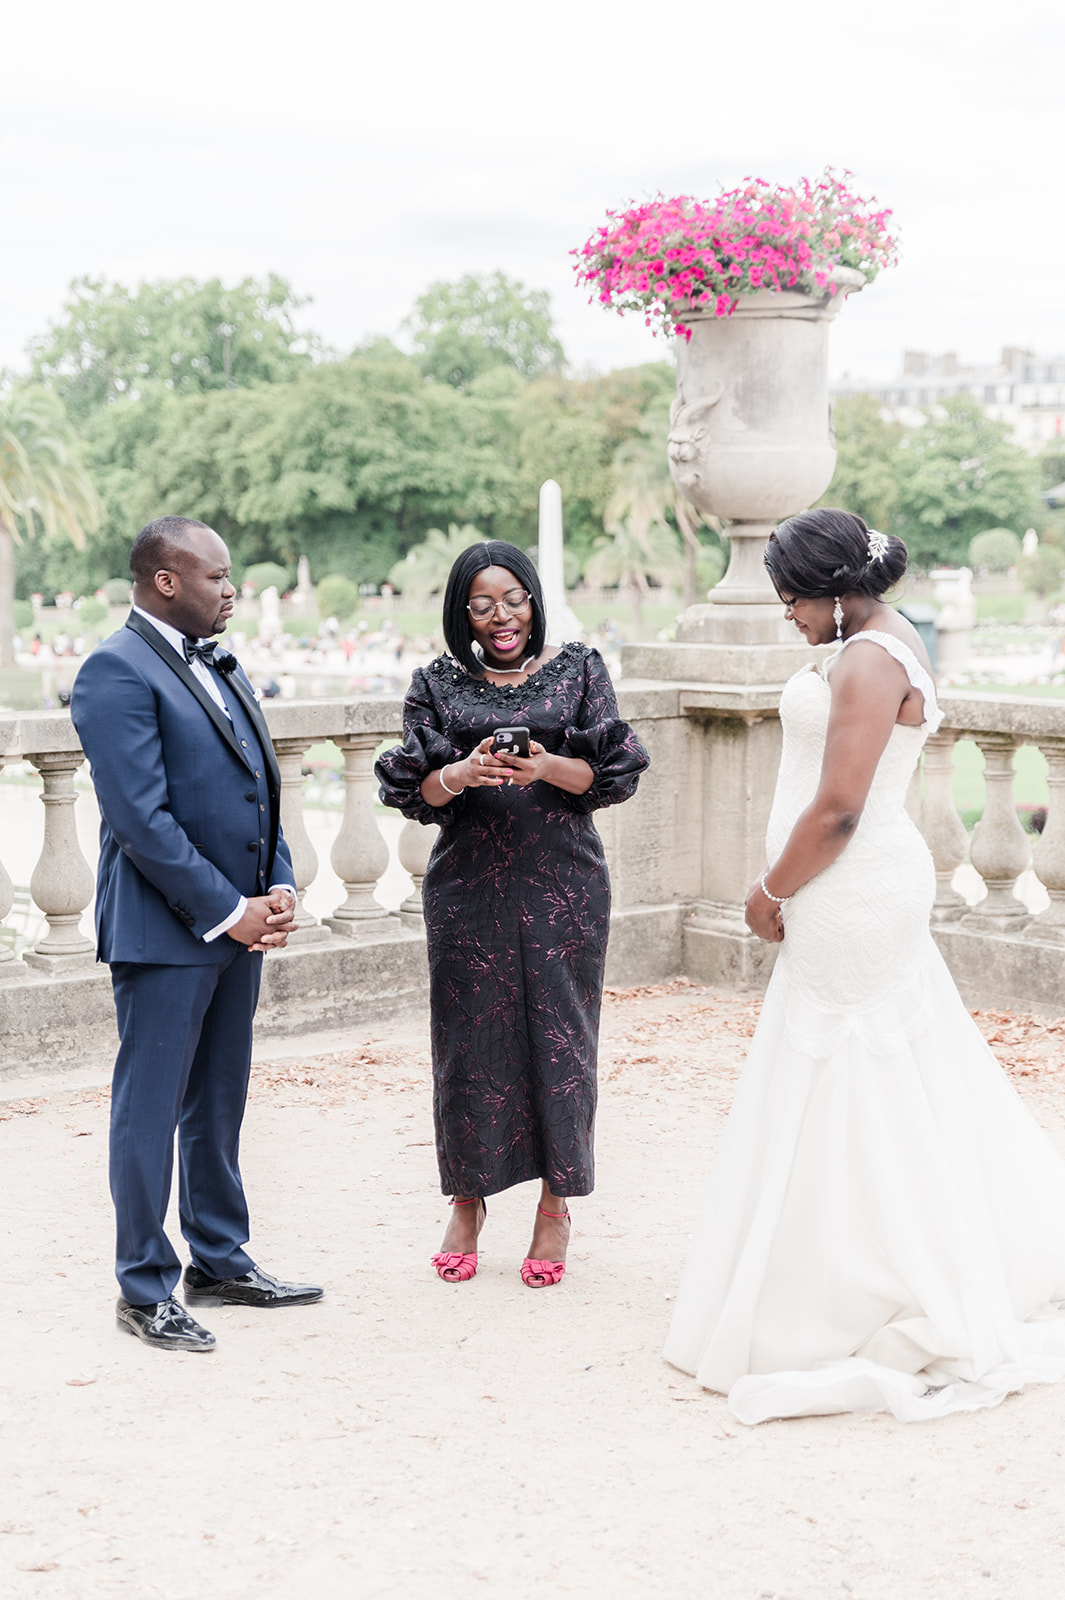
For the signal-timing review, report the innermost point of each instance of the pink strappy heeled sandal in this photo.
(541, 1274)
(458, 1266)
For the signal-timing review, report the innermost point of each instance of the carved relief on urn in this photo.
(751, 437)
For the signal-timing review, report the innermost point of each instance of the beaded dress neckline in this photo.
(462, 686)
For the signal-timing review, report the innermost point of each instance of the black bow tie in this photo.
(210, 655)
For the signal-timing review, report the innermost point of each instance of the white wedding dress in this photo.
(884, 1226)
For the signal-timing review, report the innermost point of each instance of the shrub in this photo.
(267, 575)
(92, 612)
(1041, 572)
(997, 550)
(337, 596)
(117, 591)
(23, 615)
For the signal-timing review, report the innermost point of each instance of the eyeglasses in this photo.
(513, 602)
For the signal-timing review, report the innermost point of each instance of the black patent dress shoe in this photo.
(254, 1288)
(164, 1324)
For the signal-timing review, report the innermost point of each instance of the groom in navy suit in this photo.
(194, 884)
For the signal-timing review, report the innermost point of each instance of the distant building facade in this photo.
(1024, 390)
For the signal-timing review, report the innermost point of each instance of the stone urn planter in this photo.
(751, 435)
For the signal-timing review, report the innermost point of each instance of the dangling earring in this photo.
(837, 618)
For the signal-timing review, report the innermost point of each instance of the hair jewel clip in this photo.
(878, 545)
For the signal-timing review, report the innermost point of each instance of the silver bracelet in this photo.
(777, 899)
(443, 785)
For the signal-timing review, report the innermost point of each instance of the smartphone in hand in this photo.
(510, 742)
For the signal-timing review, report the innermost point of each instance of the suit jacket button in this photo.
(262, 808)
(258, 774)
(262, 841)
(244, 745)
(250, 795)
(252, 845)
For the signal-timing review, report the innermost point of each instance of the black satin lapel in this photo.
(151, 636)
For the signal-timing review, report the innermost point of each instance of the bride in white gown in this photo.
(884, 1226)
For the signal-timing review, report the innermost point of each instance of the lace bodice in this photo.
(853, 933)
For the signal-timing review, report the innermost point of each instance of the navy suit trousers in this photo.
(183, 1064)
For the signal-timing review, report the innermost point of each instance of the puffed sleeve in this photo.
(608, 745)
(425, 749)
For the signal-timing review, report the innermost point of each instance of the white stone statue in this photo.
(956, 619)
(302, 598)
(270, 618)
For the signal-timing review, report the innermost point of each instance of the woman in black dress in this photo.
(516, 897)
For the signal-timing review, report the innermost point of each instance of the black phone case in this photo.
(511, 742)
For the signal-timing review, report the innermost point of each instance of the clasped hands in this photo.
(482, 769)
(267, 921)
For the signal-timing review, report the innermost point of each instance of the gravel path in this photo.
(422, 1441)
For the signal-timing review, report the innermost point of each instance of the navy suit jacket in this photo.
(179, 841)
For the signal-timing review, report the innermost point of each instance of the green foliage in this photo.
(996, 550)
(710, 563)
(866, 479)
(1041, 573)
(630, 553)
(958, 474)
(267, 575)
(44, 489)
(337, 597)
(464, 329)
(180, 335)
(23, 615)
(92, 612)
(424, 569)
(1052, 464)
(117, 591)
(1004, 608)
(195, 399)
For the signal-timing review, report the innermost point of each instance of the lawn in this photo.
(1029, 788)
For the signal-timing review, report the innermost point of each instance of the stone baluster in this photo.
(416, 842)
(359, 855)
(1048, 857)
(8, 965)
(941, 825)
(290, 753)
(1000, 849)
(62, 883)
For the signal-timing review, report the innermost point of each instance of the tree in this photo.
(424, 569)
(463, 329)
(866, 479)
(1052, 463)
(643, 496)
(266, 575)
(185, 336)
(1041, 572)
(996, 550)
(630, 553)
(960, 473)
(43, 487)
(337, 597)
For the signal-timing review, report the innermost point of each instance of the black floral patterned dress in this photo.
(517, 912)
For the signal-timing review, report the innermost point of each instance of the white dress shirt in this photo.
(176, 640)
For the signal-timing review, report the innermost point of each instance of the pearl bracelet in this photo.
(443, 785)
(777, 899)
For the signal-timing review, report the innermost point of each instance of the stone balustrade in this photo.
(681, 855)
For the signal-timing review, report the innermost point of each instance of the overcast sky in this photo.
(364, 151)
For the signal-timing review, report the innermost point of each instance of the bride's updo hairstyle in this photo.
(820, 554)
(458, 634)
